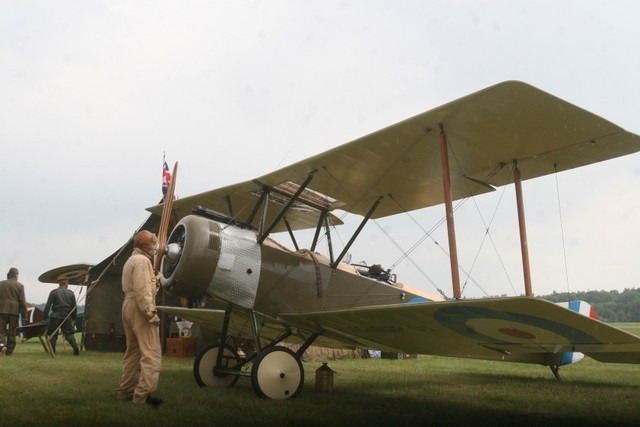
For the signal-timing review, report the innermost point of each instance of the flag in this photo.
(166, 178)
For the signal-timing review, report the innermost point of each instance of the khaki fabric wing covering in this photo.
(487, 328)
(487, 132)
(511, 329)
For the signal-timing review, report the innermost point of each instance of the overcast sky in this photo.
(93, 92)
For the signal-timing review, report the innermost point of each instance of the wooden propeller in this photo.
(163, 232)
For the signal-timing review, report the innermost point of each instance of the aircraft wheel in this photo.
(277, 373)
(206, 361)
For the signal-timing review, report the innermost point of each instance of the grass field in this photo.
(37, 390)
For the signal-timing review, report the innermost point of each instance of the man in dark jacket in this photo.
(61, 309)
(12, 303)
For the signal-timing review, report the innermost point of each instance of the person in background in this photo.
(142, 359)
(12, 304)
(61, 310)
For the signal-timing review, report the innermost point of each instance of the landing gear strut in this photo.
(276, 372)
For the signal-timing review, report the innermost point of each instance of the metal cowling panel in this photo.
(238, 272)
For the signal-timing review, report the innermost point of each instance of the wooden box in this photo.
(181, 347)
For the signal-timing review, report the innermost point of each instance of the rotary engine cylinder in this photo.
(194, 251)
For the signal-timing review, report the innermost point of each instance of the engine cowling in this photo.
(193, 252)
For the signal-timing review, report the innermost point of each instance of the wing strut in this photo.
(265, 206)
(448, 201)
(328, 234)
(252, 215)
(229, 206)
(285, 209)
(316, 236)
(357, 232)
(293, 238)
(524, 244)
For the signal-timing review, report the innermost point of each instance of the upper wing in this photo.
(487, 131)
(239, 200)
(518, 329)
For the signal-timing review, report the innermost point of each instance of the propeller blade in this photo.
(163, 233)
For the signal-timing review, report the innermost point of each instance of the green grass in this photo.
(77, 391)
(633, 328)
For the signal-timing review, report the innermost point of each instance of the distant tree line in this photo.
(611, 306)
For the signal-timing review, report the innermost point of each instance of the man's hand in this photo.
(155, 320)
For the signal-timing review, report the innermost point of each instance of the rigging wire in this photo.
(487, 228)
(488, 234)
(429, 234)
(358, 200)
(237, 215)
(405, 255)
(564, 248)
(81, 298)
(384, 173)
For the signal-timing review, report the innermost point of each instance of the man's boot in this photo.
(74, 345)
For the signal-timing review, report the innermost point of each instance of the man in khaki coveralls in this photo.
(141, 365)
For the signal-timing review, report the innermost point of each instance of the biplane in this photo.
(221, 255)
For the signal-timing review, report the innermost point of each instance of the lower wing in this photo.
(512, 329)
(518, 329)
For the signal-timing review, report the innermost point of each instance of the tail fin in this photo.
(585, 309)
(581, 307)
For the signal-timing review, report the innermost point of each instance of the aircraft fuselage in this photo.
(227, 264)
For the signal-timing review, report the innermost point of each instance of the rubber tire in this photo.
(205, 362)
(277, 373)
